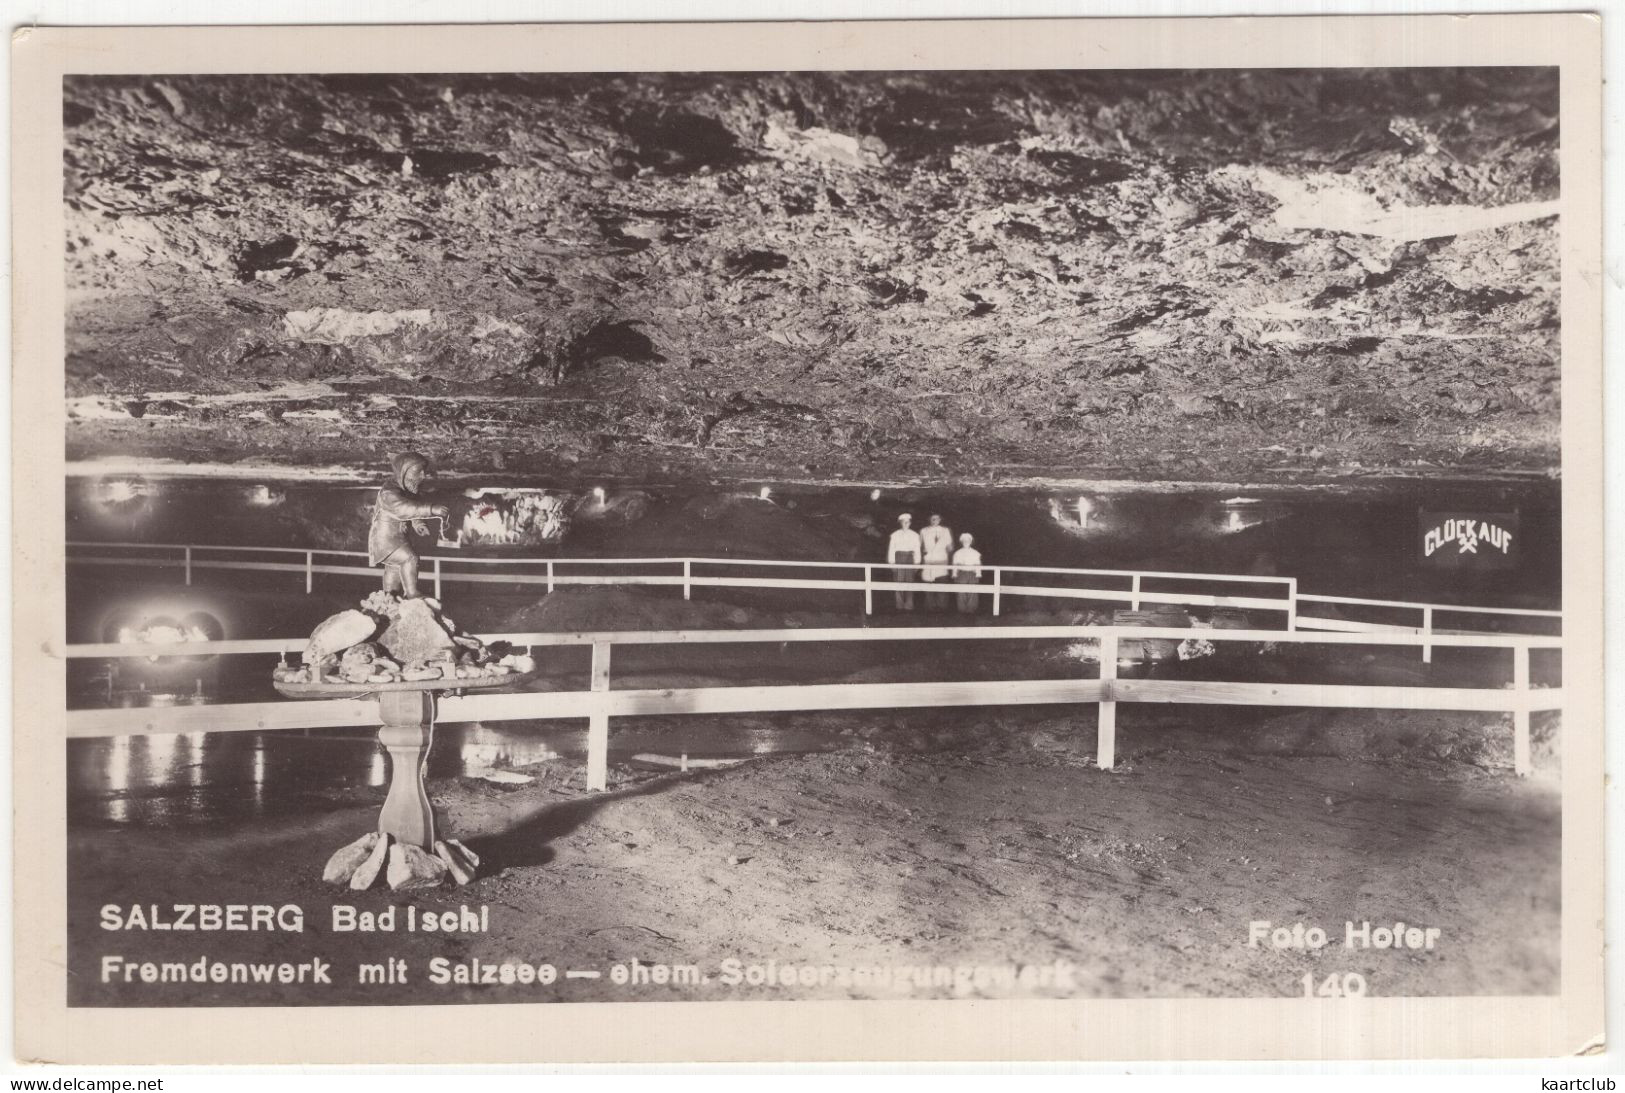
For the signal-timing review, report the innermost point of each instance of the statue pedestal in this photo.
(407, 734)
(406, 712)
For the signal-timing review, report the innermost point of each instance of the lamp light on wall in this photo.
(1240, 513)
(264, 497)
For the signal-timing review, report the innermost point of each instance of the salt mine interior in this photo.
(1273, 351)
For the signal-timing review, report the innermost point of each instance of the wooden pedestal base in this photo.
(408, 731)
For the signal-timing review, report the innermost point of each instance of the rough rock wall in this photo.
(1148, 274)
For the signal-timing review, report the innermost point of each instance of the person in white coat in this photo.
(903, 551)
(967, 570)
(937, 543)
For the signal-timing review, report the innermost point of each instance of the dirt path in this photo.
(1143, 881)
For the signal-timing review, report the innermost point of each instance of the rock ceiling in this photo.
(1267, 275)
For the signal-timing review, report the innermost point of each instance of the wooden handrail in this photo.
(675, 559)
(601, 702)
(1461, 608)
(1285, 603)
(116, 650)
(1134, 595)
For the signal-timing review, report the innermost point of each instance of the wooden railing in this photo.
(1131, 588)
(601, 702)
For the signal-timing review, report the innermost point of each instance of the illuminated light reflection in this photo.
(599, 495)
(194, 757)
(118, 764)
(378, 771)
(122, 502)
(1239, 515)
(265, 497)
(766, 494)
(874, 495)
(259, 770)
(120, 491)
(118, 778)
(1076, 516)
(162, 630)
(160, 748)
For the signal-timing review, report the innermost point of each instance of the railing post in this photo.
(868, 590)
(688, 575)
(188, 566)
(1292, 604)
(598, 721)
(437, 594)
(1427, 629)
(1522, 763)
(550, 576)
(1106, 728)
(310, 570)
(996, 593)
(1134, 594)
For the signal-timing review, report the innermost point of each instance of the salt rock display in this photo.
(363, 875)
(418, 635)
(339, 632)
(359, 864)
(413, 867)
(350, 857)
(391, 640)
(460, 861)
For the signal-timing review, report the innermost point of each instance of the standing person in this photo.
(967, 570)
(904, 552)
(936, 544)
(388, 542)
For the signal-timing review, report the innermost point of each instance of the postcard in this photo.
(996, 540)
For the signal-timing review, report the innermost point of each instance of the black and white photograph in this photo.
(817, 534)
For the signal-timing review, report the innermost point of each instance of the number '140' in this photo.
(1336, 985)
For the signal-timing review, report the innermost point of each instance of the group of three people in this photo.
(928, 556)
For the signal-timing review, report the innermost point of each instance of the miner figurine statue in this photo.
(388, 542)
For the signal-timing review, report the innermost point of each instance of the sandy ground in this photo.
(1007, 850)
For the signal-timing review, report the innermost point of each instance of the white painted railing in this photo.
(601, 702)
(690, 573)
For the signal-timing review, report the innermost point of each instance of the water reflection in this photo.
(187, 778)
(161, 751)
(194, 757)
(1361, 545)
(259, 770)
(1359, 542)
(118, 777)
